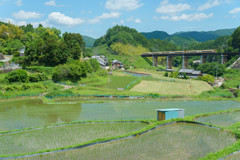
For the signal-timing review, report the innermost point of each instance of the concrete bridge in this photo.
(185, 54)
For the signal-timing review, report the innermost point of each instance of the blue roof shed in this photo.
(165, 114)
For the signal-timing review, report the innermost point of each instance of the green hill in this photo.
(89, 41)
(205, 36)
(156, 35)
(180, 38)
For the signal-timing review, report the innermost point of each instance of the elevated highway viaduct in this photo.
(185, 55)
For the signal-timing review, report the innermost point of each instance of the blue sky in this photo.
(94, 17)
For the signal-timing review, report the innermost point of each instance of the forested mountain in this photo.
(119, 38)
(156, 35)
(89, 41)
(180, 38)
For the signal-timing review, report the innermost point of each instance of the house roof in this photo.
(196, 72)
(186, 70)
(170, 109)
(116, 61)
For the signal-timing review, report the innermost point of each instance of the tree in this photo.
(95, 64)
(212, 69)
(235, 41)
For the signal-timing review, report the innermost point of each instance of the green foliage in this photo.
(95, 65)
(174, 75)
(41, 69)
(232, 78)
(128, 36)
(37, 77)
(127, 49)
(166, 74)
(185, 76)
(102, 72)
(207, 78)
(212, 69)
(71, 72)
(17, 76)
(235, 40)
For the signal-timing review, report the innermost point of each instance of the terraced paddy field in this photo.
(62, 136)
(177, 141)
(233, 157)
(33, 113)
(223, 120)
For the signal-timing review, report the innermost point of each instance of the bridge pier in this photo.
(203, 59)
(185, 62)
(155, 61)
(223, 59)
(169, 62)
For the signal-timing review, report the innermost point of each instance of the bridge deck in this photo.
(185, 53)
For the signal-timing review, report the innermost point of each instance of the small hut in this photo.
(165, 114)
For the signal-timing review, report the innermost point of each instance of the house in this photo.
(165, 114)
(117, 64)
(190, 73)
(102, 60)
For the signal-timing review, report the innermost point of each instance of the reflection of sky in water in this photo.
(32, 113)
(223, 120)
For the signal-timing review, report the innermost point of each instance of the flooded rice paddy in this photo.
(33, 113)
(223, 120)
(177, 141)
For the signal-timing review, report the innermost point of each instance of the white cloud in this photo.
(138, 20)
(50, 3)
(235, 10)
(58, 18)
(12, 21)
(104, 16)
(188, 17)
(122, 21)
(209, 4)
(26, 15)
(167, 8)
(123, 4)
(18, 2)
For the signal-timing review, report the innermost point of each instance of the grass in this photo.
(120, 81)
(178, 141)
(62, 136)
(223, 120)
(2, 75)
(172, 88)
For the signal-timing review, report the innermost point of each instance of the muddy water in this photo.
(32, 113)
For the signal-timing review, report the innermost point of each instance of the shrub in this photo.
(207, 78)
(166, 74)
(174, 75)
(95, 65)
(26, 87)
(185, 76)
(37, 77)
(71, 72)
(17, 76)
(102, 72)
(41, 69)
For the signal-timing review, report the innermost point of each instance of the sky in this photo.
(94, 17)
